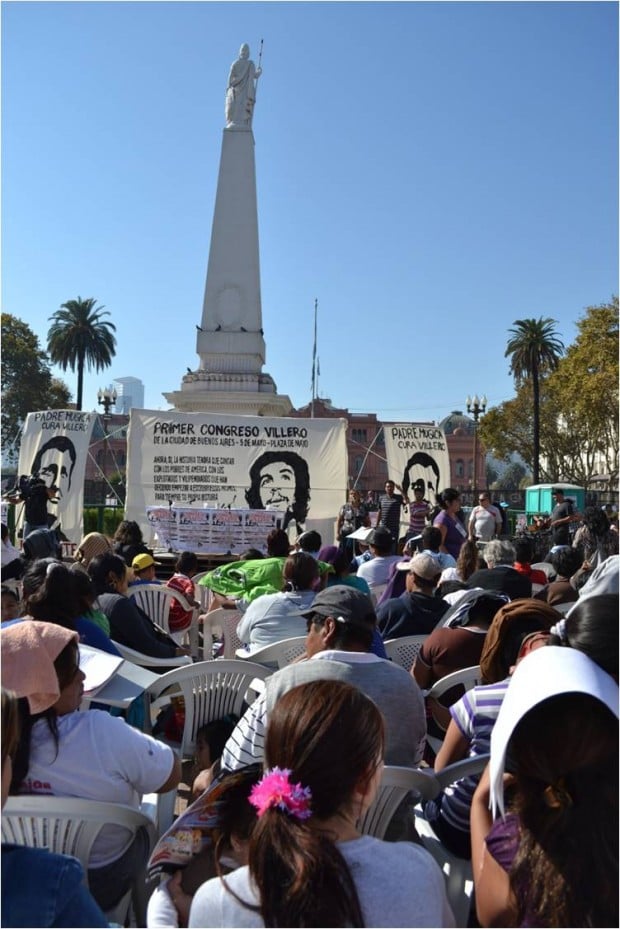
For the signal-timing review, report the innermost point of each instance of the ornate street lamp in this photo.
(476, 406)
(106, 398)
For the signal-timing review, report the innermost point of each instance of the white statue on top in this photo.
(241, 90)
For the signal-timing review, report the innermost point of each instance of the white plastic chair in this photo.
(227, 620)
(203, 594)
(396, 783)
(547, 568)
(279, 654)
(457, 871)
(404, 651)
(156, 600)
(69, 825)
(140, 658)
(210, 690)
(466, 677)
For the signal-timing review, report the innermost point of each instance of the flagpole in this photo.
(316, 303)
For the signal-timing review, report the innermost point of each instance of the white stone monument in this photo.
(230, 341)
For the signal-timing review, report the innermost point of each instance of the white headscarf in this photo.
(546, 672)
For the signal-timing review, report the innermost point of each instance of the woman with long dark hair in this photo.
(129, 625)
(53, 593)
(308, 863)
(453, 533)
(128, 541)
(551, 859)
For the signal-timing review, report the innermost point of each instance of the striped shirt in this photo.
(393, 690)
(474, 714)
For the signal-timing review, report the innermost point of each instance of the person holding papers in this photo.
(87, 754)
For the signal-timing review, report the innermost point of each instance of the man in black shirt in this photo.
(35, 495)
(390, 505)
(562, 515)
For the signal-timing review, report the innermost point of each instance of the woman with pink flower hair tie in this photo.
(308, 863)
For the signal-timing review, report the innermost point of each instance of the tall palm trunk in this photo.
(80, 382)
(536, 392)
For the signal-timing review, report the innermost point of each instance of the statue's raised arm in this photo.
(241, 90)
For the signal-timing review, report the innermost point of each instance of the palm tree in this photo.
(535, 349)
(79, 336)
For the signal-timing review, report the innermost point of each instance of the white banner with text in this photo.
(417, 453)
(54, 447)
(217, 462)
(215, 531)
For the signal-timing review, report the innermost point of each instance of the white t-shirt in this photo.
(377, 571)
(274, 617)
(486, 521)
(100, 757)
(398, 883)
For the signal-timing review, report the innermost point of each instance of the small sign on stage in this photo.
(217, 531)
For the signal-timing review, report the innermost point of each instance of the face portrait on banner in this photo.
(54, 464)
(418, 454)
(421, 470)
(54, 448)
(292, 468)
(280, 481)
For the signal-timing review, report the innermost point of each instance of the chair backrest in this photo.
(396, 783)
(156, 600)
(546, 567)
(69, 826)
(467, 677)
(278, 654)
(229, 620)
(404, 651)
(457, 871)
(202, 594)
(376, 592)
(466, 767)
(140, 658)
(211, 690)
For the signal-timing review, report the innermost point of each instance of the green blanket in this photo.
(249, 579)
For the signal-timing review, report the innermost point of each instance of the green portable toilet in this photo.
(538, 498)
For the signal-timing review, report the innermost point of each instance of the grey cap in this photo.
(344, 604)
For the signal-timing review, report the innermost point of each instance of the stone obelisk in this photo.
(230, 341)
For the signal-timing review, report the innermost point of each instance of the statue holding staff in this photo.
(241, 89)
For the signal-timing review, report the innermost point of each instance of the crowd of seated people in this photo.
(334, 717)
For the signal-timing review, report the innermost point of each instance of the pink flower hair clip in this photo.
(276, 790)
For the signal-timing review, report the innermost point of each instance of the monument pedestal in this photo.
(241, 394)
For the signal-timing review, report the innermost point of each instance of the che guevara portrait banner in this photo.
(217, 461)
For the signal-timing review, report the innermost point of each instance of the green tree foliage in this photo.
(507, 428)
(534, 350)
(512, 478)
(578, 407)
(585, 386)
(27, 382)
(79, 338)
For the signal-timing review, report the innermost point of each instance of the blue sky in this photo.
(430, 172)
